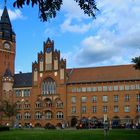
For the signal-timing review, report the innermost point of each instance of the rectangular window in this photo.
(116, 98)
(104, 88)
(73, 89)
(94, 109)
(126, 97)
(73, 99)
(83, 89)
(84, 99)
(110, 88)
(127, 108)
(79, 89)
(94, 99)
(89, 89)
(104, 98)
(115, 88)
(116, 108)
(138, 97)
(99, 88)
(121, 87)
(73, 109)
(18, 93)
(83, 109)
(126, 87)
(132, 87)
(94, 89)
(104, 109)
(138, 86)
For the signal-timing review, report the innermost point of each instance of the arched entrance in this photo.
(73, 122)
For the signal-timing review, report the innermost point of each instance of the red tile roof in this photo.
(103, 74)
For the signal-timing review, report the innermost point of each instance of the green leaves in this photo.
(48, 8)
(136, 60)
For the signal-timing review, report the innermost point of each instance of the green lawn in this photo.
(69, 135)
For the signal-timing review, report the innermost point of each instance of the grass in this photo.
(69, 135)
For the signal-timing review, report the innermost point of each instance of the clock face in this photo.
(48, 50)
(7, 46)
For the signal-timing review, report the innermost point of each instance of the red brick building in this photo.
(51, 93)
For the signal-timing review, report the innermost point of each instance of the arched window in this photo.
(27, 115)
(38, 115)
(48, 115)
(59, 103)
(59, 115)
(19, 116)
(48, 102)
(48, 86)
(38, 104)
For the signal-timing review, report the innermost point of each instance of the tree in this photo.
(49, 8)
(136, 60)
(8, 109)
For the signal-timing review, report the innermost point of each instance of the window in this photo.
(99, 88)
(59, 115)
(94, 89)
(73, 89)
(104, 88)
(94, 99)
(116, 108)
(59, 104)
(115, 88)
(26, 92)
(116, 98)
(18, 93)
(104, 98)
(48, 103)
(137, 108)
(38, 104)
(89, 89)
(18, 105)
(73, 109)
(127, 108)
(83, 109)
(132, 87)
(138, 86)
(48, 115)
(38, 115)
(104, 109)
(26, 105)
(127, 97)
(79, 89)
(19, 116)
(94, 109)
(110, 88)
(121, 87)
(138, 97)
(84, 99)
(83, 89)
(73, 99)
(27, 115)
(126, 87)
(48, 86)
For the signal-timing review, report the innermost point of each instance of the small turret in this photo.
(7, 80)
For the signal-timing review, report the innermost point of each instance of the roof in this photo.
(22, 80)
(7, 73)
(103, 74)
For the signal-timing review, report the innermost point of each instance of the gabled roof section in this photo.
(103, 74)
(22, 80)
(7, 73)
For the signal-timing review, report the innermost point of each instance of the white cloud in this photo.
(75, 28)
(116, 35)
(16, 14)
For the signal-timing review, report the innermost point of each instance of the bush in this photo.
(4, 128)
(49, 126)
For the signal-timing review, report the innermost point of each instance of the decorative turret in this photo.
(7, 80)
(6, 32)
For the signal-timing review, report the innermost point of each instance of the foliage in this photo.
(49, 8)
(8, 109)
(136, 60)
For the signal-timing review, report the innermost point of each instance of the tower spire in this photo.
(5, 1)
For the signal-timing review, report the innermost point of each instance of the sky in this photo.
(113, 38)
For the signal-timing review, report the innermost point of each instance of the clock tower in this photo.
(7, 47)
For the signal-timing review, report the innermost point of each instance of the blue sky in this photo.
(113, 38)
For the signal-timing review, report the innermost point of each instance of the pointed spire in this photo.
(5, 1)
